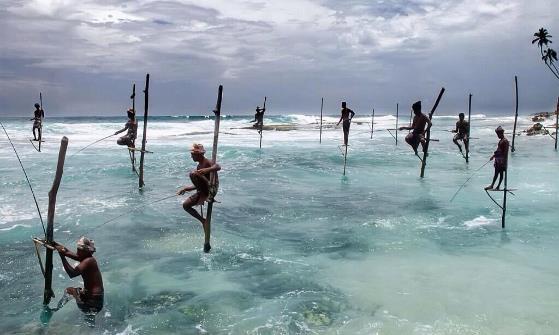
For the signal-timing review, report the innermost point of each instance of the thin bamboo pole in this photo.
(469, 128)
(516, 113)
(397, 110)
(146, 104)
(41, 124)
(321, 105)
(372, 123)
(556, 123)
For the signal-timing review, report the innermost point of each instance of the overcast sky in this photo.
(84, 55)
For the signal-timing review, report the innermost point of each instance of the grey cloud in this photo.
(368, 52)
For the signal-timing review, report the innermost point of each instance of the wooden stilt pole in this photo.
(428, 137)
(556, 123)
(372, 123)
(505, 191)
(217, 113)
(146, 104)
(133, 97)
(41, 116)
(48, 293)
(321, 105)
(469, 128)
(411, 118)
(262, 123)
(397, 107)
(132, 152)
(345, 156)
(516, 113)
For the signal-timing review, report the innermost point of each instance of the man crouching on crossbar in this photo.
(200, 179)
(90, 298)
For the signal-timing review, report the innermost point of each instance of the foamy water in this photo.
(297, 247)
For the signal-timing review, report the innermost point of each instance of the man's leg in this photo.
(34, 136)
(501, 174)
(455, 140)
(490, 187)
(188, 205)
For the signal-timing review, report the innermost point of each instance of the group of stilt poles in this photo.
(132, 150)
(49, 238)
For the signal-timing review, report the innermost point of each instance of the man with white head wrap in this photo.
(90, 298)
(200, 179)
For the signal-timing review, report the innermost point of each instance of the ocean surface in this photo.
(298, 248)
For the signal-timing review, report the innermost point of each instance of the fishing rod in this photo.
(87, 146)
(28, 182)
(467, 180)
(131, 210)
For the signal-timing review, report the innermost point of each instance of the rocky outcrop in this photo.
(536, 129)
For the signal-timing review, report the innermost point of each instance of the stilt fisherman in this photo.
(132, 127)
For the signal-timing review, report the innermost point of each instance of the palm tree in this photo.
(542, 37)
(549, 56)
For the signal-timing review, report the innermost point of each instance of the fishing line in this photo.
(467, 180)
(87, 146)
(28, 182)
(133, 209)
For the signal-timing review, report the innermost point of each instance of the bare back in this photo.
(92, 279)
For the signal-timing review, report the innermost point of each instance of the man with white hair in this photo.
(201, 183)
(89, 298)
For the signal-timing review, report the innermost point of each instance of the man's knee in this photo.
(187, 205)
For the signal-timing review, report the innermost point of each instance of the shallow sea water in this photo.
(297, 247)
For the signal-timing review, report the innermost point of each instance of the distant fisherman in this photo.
(346, 118)
(259, 118)
(417, 134)
(89, 298)
(462, 132)
(37, 119)
(201, 183)
(132, 126)
(500, 156)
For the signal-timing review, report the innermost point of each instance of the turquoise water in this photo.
(297, 247)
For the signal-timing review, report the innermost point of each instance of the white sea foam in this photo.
(480, 221)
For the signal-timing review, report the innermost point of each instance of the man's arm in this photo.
(186, 189)
(455, 130)
(70, 270)
(123, 129)
(341, 118)
(214, 168)
(429, 124)
(62, 250)
(352, 114)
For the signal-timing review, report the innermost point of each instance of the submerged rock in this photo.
(159, 302)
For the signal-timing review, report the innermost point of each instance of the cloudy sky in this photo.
(84, 55)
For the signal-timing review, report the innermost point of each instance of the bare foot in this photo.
(487, 188)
